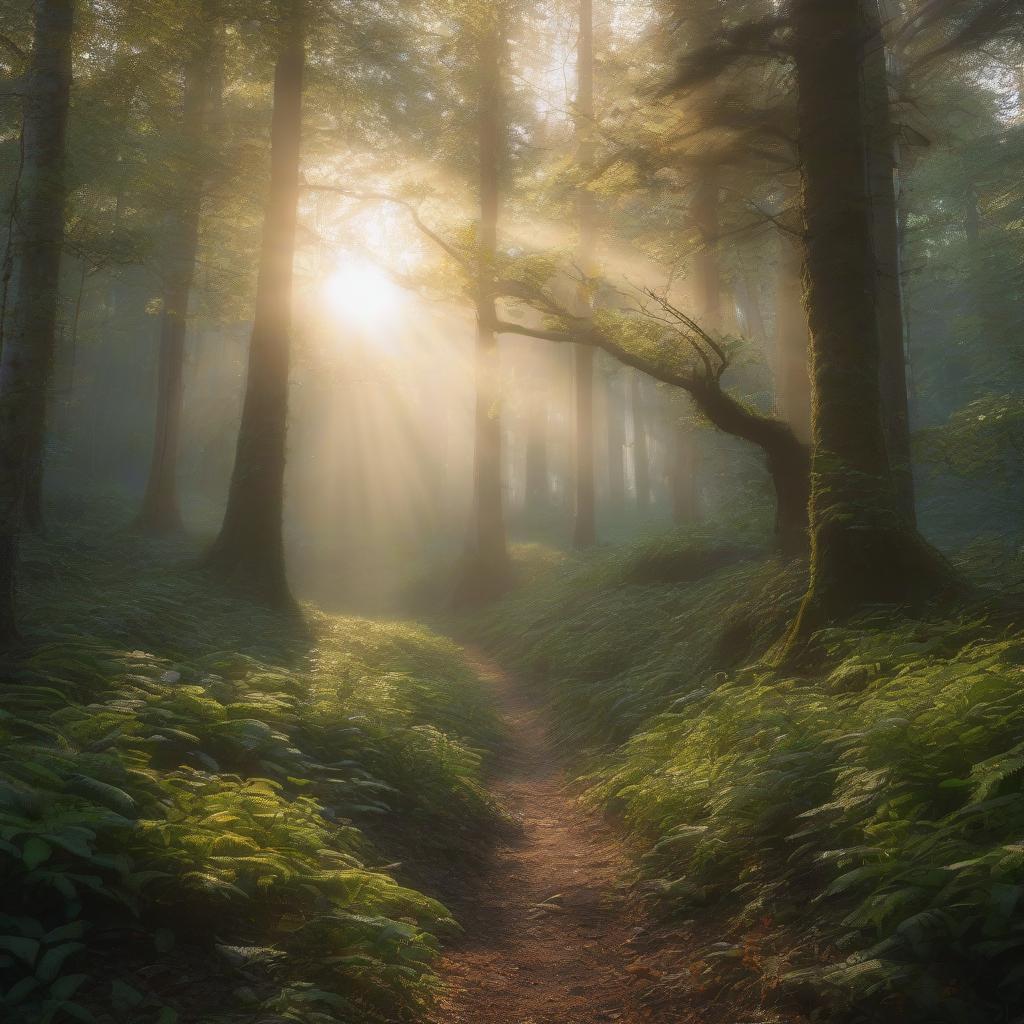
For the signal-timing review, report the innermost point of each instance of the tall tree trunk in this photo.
(792, 372)
(705, 214)
(682, 467)
(160, 512)
(34, 519)
(584, 532)
(38, 235)
(614, 420)
(863, 548)
(485, 570)
(641, 456)
(748, 294)
(684, 456)
(250, 546)
(883, 170)
(536, 483)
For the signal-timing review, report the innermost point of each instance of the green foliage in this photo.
(867, 819)
(983, 439)
(622, 643)
(187, 780)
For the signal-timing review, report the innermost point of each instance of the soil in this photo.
(550, 937)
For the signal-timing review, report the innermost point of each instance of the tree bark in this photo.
(682, 467)
(250, 546)
(34, 520)
(584, 533)
(485, 569)
(792, 370)
(883, 170)
(863, 548)
(38, 236)
(160, 512)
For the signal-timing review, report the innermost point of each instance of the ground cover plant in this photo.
(858, 827)
(188, 790)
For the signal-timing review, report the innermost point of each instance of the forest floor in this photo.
(550, 937)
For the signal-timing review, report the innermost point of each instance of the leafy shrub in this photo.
(188, 780)
(619, 650)
(869, 818)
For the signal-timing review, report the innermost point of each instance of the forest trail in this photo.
(547, 936)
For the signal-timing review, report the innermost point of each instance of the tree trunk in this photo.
(614, 413)
(33, 518)
(38, 235)
(883, 170)
(536, 483)
(792, 372)
(748, 293)
(704, 211)
(684, 455)
(485, 570)
(641, 457)
(584, 532)
(682, 462)
(863, 549)
(160, 511)
(250, 546)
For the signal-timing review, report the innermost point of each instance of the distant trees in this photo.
(584, 533)
(160, 512)
(36, 243)
(484, 571)
(452, 110)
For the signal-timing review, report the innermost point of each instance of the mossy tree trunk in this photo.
(864, 550)
(250, 547)
(485, 570)
(36, 244)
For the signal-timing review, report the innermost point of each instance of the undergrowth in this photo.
(862, 831)
(199, 801)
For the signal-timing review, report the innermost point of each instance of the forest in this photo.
(510, 511)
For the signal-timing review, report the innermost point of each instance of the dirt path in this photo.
(547, 940)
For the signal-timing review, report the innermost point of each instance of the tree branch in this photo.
(383, 197)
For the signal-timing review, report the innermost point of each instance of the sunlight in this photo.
(359, 293)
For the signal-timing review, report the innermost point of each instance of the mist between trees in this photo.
(392, 283)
